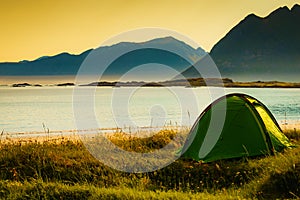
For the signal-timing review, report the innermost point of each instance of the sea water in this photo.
(38, 109)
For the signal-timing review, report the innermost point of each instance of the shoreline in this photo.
(188, 83)
(74, 135)
(288, 126)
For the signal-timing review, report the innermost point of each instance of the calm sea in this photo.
(32, 109)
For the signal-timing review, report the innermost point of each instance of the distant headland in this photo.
(193, 82)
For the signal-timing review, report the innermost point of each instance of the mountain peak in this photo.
(251, 17)
(279, 13)
(167, 40)
(163, 40)
(261, 47)
(296, 8)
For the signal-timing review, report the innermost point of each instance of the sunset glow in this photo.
(30, 29)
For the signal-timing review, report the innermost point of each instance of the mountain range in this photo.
(136, 54)
(255, 49)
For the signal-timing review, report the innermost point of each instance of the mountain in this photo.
(137, 54)
(262, 48)
(61, 64)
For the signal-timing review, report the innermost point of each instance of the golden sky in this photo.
(30, 28)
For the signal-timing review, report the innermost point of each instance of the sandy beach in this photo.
(290, 126)
(74, 135)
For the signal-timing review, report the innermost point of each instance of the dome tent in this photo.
(249, 130)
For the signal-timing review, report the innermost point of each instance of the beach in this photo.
(74, 135)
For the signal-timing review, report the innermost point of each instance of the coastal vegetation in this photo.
(62, 168)
(191, 82)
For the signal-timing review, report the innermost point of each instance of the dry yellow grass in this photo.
(58, 168)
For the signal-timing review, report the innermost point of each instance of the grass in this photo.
(64, 169)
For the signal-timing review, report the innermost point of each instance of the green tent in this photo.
(247, 129)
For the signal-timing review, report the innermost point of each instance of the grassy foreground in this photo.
(64, 169)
